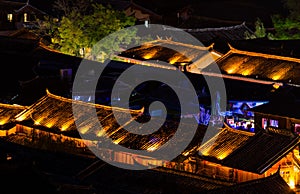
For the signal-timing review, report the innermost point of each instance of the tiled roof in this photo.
(230, 33)
(237, 63)
(287, 48)
(29, 8)
(261, 152)
(8, 113)
(55, 112)
(245, 151)
(224, 143)
(273, 184)
(12, 6)
(210, 35)
(171, 52)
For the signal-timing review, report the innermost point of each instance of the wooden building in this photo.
(251, 66)
(239, 156)
(228, 158)
(8, 113)
(219, 35)
(273, 184)
(181, 55)
(282, 117)
(16, 15)
(142, 14)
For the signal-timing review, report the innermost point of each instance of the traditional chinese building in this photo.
(272, 184)
(238, 156)
(220, 35)
(8, 113)
(142, 14)
(16, 15)
(228, 158)
(182, 55)
(251, 67)
(281, 117)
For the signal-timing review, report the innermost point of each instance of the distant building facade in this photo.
(16, 15)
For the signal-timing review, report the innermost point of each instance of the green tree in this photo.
(84, 23)
(287, 26)
(260, 30)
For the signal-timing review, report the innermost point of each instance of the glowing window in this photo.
(25, 17)
(297, 128)
(273, 123)
(10, 17)
(264, 123)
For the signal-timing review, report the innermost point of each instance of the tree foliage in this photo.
(84, 23)
(260, 30)
(288, 27)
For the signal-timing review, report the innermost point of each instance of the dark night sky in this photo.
(235, 10)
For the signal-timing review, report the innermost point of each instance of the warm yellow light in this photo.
(21, 118)
(291, 183)
(117, 141)
(276, 77)
(245, 73)
(50, 124)
(83, 130)
(100, 133)
(153, 148)
(204, 153)
(65, 126)
(174, 59)
(280, 74)
(222, 156)
(232, 69)
(38, 121)
(216, 54)
(185, 153)
(150, 55)
(276, 86)
(4, 120)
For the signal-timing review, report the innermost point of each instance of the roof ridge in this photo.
(182, 44)
(49, 94)
(15, 106)
(259, 54)
(243, 24)
(27, 4)
(227, 127)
